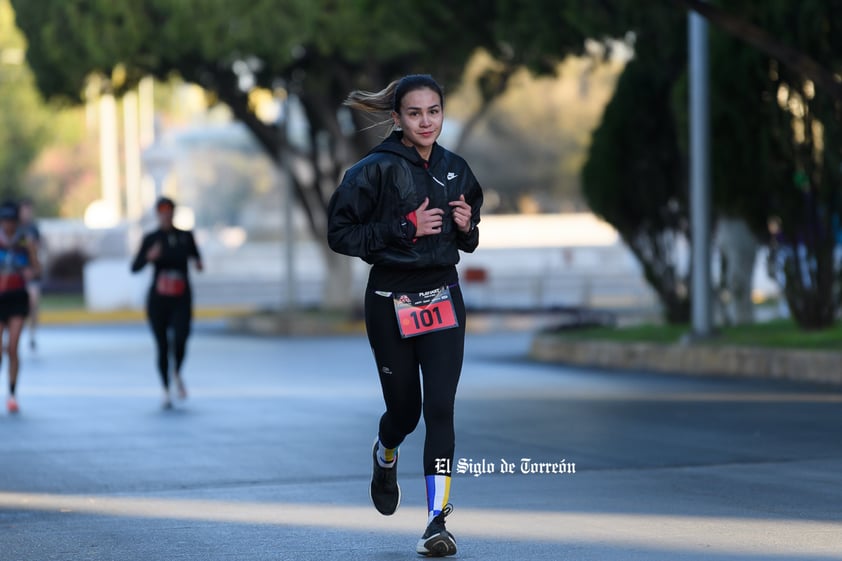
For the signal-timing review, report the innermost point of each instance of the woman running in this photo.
(18, 265)
(28, 229)
(408, 208)
(169, 305)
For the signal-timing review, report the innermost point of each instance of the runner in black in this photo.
(18, 264)
(408, 208)
(169, 305)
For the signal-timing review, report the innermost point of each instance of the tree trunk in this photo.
(492, 84)
(811, 289)
(738, 249)
(314, 174)
(338, 293)
(657, 255)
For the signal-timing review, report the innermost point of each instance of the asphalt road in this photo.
(269, 458)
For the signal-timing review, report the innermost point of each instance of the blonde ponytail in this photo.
(373, 102)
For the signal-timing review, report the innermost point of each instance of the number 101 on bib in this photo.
(424, 312)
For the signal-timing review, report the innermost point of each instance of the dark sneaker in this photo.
(166, 402)
(180, 387)
(437, 541)
(385, 491)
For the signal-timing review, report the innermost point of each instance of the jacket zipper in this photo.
(436, 179)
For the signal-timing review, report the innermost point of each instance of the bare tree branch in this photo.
(493, 84)
(766, 43)
(268, 139)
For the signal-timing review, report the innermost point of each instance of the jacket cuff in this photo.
(405, 230)
(412, 227)
(468, 242)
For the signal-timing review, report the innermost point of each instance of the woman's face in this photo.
(165, 213)
(420, 118)
(26, 213)
(9, 227)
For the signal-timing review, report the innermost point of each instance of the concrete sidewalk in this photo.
(812, 366)
(80, 315)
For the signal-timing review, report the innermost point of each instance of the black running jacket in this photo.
(371, 213)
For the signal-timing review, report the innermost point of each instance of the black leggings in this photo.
(439, 357)
(167, 313)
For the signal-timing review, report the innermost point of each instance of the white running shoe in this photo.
(437, 541)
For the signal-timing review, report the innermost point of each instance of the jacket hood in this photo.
(392, 144)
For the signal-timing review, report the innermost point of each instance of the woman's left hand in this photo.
(461, 214)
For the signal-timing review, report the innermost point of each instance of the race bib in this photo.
(11, 281)
(170, 283)
(424, 312)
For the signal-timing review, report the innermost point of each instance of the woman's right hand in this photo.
(428, 220)
(154, 252)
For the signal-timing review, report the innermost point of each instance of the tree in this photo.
(777, 150)
(543, 123)
(635, 174)
(743, 171)
(766, 40)
(22, 116)
(316, 50)
(776, 125)
(808, 150)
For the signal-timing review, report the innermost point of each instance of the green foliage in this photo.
(319, 49)
(22, 117)
(774, 334)
(539, 33)
(635, 177)
(747, 169)
(805, 159)
(776, 147)
(769, 124)
(63, 180)
(198, 38)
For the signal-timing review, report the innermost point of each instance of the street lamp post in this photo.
(700, 199)
(288, 202)
(157, 162)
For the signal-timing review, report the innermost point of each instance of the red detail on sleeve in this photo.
(414, 219)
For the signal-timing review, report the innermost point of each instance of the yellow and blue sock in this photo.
(386, 457)
(438, 492)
